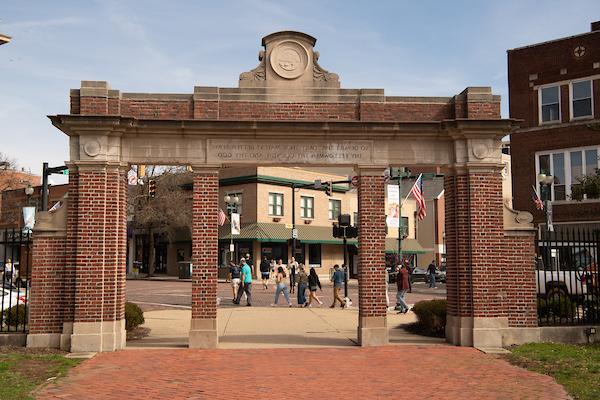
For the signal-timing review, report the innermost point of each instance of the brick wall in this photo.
(47, 296)
(490, 273)
(394, 110)
(546, 60)
(205, 244)
(371, 253)
(519, 276)
(524, 145)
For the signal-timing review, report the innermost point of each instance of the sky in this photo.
(408, 48)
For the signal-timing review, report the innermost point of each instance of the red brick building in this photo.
(554, 87)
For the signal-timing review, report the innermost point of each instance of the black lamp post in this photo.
(232, 203)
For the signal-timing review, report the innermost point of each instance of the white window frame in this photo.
(559, 120)
(330, 209)
(567, 166)
(591, 81)
(278, 194)
(304, 208)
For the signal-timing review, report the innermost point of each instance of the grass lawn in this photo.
(576, 367)
(22, 370)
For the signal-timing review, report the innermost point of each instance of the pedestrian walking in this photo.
(8, 271)
(402, 285)
(338, 278)
(264, 272)
(281, 287)
(313, 284)
(431, 271)
(246, 279)
(250, 263)
(292, 269)
(302, 285)
(235, 273)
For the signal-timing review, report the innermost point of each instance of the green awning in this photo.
(409, 246)
(271, 232)
(278, 233)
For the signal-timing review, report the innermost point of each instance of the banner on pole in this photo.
(235, 223)
(393, 206)
(28, 218)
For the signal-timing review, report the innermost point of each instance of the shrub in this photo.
(134, 316)
(431, 315)
(556, 307)
(16, 315)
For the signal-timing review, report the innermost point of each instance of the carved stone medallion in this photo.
(289, 59)
(92, 147)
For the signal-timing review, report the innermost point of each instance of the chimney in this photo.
(595, 26)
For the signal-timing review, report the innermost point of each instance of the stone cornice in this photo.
(76, 125)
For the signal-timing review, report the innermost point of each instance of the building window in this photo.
(355, 219)
(567, 167)
(581, 99)
(276, 204)
(235, 208)
(550, 104)
(335, 208)
(307, 209)
(314, 255)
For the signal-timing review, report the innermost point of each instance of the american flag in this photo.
(222, 217)
(539, 204)
(417, 192)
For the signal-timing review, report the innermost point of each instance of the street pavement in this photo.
(160, 293)
(391, 372)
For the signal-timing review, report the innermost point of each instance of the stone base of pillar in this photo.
(459, 330)
(487, 332)
(44, 340)
(203, 334)
(98, 336)
(373, 331)
(65, 337)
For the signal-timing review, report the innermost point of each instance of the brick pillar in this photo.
(372, 317)
(476, 281)
(46, 301)
(203, 332)
(98, 323)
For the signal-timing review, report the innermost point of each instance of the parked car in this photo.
(571, 274)
(11, 298)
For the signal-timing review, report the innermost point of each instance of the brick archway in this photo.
(275, 119)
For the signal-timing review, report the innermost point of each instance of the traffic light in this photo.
(152, 188)
(328, 188)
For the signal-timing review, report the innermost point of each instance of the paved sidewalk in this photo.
(392, 372)
(259, 327)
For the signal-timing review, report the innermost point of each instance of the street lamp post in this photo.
(232, 203)
(28, 192)
(546, 181)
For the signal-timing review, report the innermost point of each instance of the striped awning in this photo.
(409, 246)
(271, 232)
(278, 233)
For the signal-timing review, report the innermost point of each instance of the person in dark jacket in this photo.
(302, 284)
(402, 286)
(338, 278)
(265, 268)
(313, 284)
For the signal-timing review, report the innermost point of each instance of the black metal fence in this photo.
(568, 284)
(15, 254)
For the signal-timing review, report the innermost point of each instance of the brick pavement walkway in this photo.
(392, 372)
